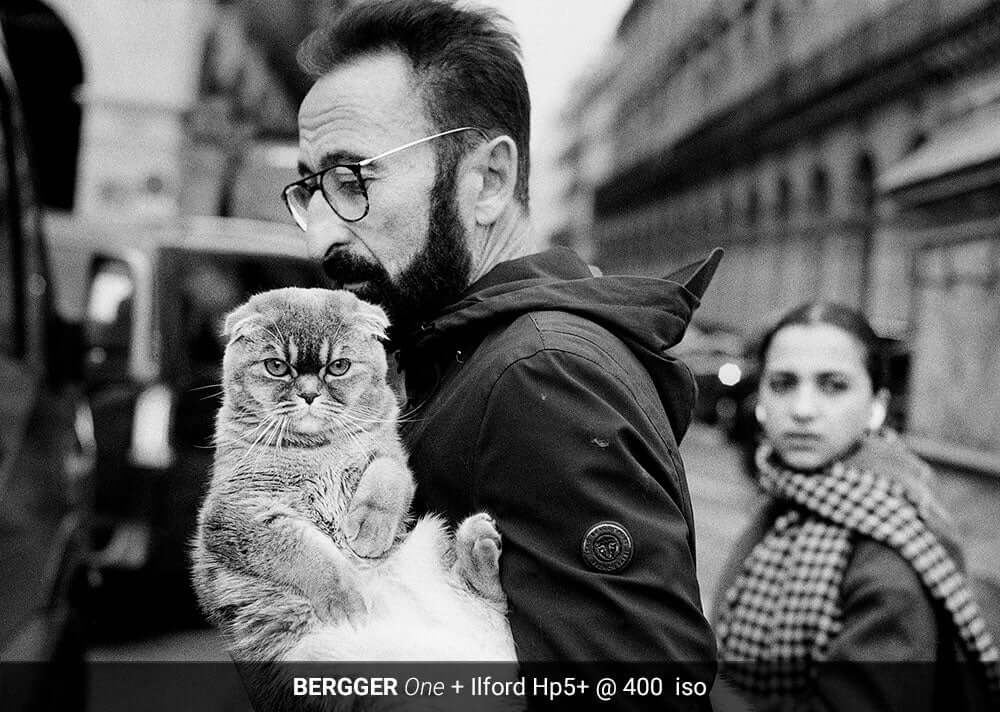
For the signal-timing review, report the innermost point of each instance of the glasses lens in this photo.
(346, 193)
(297, 200)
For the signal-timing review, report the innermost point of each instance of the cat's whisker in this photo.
(349, 430)
(279, 433)
(265, 428)
(255, 433)
(202, 388)
(359, 417)
(286, 422)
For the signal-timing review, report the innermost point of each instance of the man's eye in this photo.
(338, 367)
(276, 367)
(343, 180)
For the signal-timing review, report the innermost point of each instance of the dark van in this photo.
(152, 298)
(47, 450)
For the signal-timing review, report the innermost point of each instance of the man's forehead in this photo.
(360, 108)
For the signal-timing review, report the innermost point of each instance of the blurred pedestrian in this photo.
(536, 390)
(848, 566)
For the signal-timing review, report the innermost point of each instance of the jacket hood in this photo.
(649, 314)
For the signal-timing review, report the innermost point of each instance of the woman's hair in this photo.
(843, 317)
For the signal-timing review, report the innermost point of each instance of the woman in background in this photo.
(847, 562)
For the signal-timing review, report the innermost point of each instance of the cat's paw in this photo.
(338, 604)
(477, 555)
(378, 508)
(336, 595)
(370, 529)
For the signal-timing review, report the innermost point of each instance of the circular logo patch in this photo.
(607, 547)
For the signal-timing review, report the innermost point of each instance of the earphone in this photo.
(878, 416)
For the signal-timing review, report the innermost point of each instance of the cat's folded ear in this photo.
(240, 321)
(371, 320)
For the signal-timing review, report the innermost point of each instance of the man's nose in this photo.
(324, 228)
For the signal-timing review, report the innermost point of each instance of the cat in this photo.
(302, 550)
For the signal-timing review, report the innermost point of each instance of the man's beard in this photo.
(435, 278)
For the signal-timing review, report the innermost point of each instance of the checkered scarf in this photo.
(783, 609)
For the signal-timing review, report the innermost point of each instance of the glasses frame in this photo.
(314, 181)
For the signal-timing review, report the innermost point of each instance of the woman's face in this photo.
(815, 397)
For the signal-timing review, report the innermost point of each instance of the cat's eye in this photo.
(338, 367)
(276, 367)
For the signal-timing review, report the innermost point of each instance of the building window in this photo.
(864, 184)
(819, 191)
(753, 206)
(778, 24)
(783, 202)
(726, 207)
(918, 140)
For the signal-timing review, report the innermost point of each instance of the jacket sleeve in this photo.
(888, 618)
(565, 445)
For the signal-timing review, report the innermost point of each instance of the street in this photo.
(721, 495)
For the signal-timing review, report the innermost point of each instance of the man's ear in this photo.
(498, 164)
(239, 321)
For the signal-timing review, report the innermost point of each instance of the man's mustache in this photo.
(346, 268)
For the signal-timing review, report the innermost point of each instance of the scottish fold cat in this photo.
(303, 549)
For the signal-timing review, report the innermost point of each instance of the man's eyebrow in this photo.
(329, 159)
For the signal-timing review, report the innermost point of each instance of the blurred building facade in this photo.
(586, 158)
(845, 150)
(176, 93)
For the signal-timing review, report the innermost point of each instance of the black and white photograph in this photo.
(391, 355)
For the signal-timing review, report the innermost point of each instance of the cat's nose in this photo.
(308, 397)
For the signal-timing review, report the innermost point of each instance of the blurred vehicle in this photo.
(46, 450)
(153, 298)
(724, 373)
(265, 167)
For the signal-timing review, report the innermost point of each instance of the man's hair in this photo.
(467, 63)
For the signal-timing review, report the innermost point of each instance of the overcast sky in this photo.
(560, 39)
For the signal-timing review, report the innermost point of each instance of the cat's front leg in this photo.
(378, 509)
(273, 541)
(327, 578)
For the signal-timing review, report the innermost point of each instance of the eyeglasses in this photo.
(343, 185)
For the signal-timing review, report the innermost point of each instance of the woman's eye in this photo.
(834, 385)
(276, 367)
(338, 367)
(780, 384)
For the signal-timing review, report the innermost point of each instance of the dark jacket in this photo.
(888, 617)
(546, 397)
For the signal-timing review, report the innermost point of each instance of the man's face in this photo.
(409, 253)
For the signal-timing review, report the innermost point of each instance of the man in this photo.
(536, 391)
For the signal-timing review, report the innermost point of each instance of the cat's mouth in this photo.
(309, 423)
